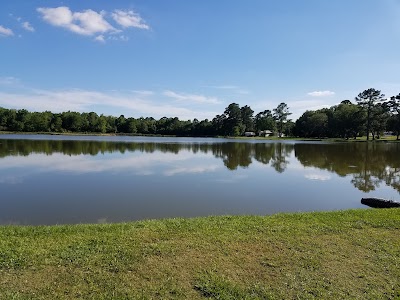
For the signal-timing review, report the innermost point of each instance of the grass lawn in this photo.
(352, 254)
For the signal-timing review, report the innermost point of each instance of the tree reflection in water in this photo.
(369, 164)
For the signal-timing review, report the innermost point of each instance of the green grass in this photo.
(390, 138)
(351, 254)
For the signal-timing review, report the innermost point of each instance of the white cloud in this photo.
(28, 26)
(319, 177)
(141, 163)
(92, 23)
(321, 93)
(100, 38)
(120, 37)
(129, 18)
(191, 98)
(60, 16)
(87, 22)
(83, 101)
(192, 170)
(6, 31)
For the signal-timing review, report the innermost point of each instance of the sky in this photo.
(191, 59)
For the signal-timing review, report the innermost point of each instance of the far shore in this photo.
(273, 138)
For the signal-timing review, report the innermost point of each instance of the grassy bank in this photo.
(334, 255)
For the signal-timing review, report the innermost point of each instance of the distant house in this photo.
(249, 133)
(265, 133)
(388, 133)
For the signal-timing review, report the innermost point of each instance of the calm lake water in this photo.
(83, 179)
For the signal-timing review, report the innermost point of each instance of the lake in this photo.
(94, 179)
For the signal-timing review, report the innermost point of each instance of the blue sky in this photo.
(191, 59)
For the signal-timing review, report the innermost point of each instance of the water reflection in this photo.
(47, 180)
(370, 165)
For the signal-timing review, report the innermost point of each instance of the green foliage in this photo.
(233, 121)
(394, 106)
(367, 100)
(346, 120)
(313, 124)
(247, 118)
(281, 112)
(265, 121)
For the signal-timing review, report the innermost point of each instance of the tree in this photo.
(219, 125)
(289, 128)
(56, 123)
(233, 120)
(101, 125)
(281, 113)
(130, 125)
(72, 121)
(247, 118)
(265, 121)
(380, 116)
(13, 121)
(347, 120)
(367, 101)
(3, 118)
(312, 124)
(38, 121)
(394, 105)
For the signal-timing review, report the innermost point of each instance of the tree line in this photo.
(234, 121)
(372, 114)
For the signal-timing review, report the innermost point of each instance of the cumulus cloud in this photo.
(92, 23)
(87, 22)
(321, 93)
(129, 18)
(27, 26)
(100, 38)
(6, 31)
(191, 97)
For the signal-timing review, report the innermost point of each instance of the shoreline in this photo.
(361, 139)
